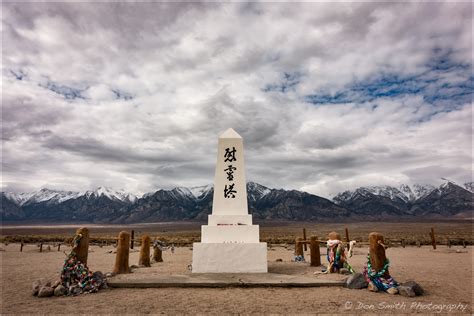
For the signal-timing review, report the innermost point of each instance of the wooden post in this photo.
(132, 239)
(21, 247)
(377, 251)
(347, 238)
(59, 246)
(82, 248)
(433, 240)
(304, 238)
(449, 243)
(41, 247)
(463, 243)
(314, 251)
(157, 254)
(121, 259)
(403, 243)
(299, 247)
(418, 243)
(145, 251)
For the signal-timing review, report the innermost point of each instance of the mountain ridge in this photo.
(106, 205)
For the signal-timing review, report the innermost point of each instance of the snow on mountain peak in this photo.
(422, 190)
(404, 192)
(469, 186)
(201, 191)
(111, 194)
(43, 195)
(256, 191)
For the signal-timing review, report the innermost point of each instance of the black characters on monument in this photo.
(229, 191)
(230, 155)
(230, 172)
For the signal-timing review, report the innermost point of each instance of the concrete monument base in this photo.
(230, 234)
(230, 258)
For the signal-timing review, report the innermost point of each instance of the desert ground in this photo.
(444, 273)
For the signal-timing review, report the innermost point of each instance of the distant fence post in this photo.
(132, 239)
(433, 240)
(304, 238)
(299, 247)
(21, 246)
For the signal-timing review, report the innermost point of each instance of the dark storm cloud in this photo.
(99, 150)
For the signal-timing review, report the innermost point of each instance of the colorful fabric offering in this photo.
(381, 279)
(76, 276)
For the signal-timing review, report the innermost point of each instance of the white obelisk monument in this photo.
(230, 243)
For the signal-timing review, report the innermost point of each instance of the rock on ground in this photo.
(60, 290)
(46, 291)
(75, 290)
(36, 286)
(356, 281)
(413, 286)
(406, 291)
(100, 279)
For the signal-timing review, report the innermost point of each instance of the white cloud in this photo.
(157, 83)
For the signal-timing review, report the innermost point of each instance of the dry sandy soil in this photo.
(445, 274)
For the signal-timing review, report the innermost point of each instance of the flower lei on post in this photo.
(76, 276)
(334, 257)
(381, 282)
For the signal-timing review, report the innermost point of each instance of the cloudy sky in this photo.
(327, 96)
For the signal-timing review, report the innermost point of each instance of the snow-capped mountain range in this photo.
(404, 192)
(56, 196)
(108, 205)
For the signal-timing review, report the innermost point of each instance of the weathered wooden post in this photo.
(41, 247)
(21, 246)
(378, 260)
(433, 240)
(347, 238)
(59, 246)
(314, 251)
(145, 251)
(403, 242)
(81, 244)
(464, 243)
(449, 243)
(304, 238)
(157, 253)
(418, 243)
(121, 259)
(299, 247)
(132, 239)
